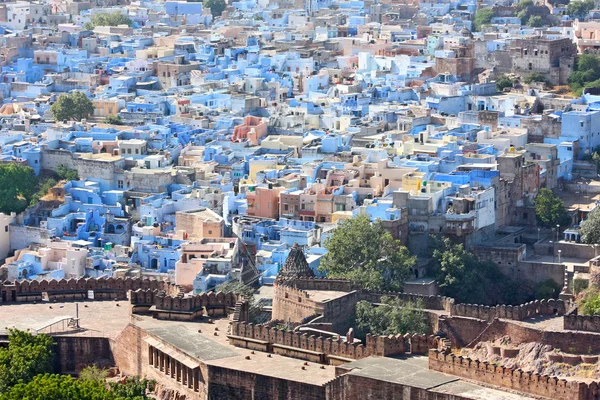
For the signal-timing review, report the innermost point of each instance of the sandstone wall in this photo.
(325, 350)
(589, 323)
(515, 379)
(78, 289)
(226, 384)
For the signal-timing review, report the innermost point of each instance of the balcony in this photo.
(468, 217)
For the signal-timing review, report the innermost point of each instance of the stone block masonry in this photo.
(588, 323)
(517, 313)
(327, 350)
(79, 289)
(515, 379)
(177, 307)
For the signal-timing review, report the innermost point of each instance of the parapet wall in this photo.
(319, 349)
(341, 285)
(79, 289)
(518, 313)
(515, 379)
(588, 323)
(164, 302)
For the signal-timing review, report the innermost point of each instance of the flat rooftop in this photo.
(414, 371)
(325, 295)
(96, 318)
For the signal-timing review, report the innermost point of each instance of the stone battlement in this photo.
(79, 289)
(341, 285)
(588, 323)
(518, 313)
(514, 379)
(327, 350)
(165, 306)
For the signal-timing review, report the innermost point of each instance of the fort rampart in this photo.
(515, 379)
(79, 289)
(327, 350)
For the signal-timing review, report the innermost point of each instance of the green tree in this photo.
(216, 6)
(589, 302)
(26, 356)
(535, 77)
(73, 106)
(133, 388)
(523, 5)
(64, 387)
(579, 9)
(482, 17)
(17, 186)
(367, 254)
(503, 81)
(550, 210)
(391, 317)
(590, 228)
(587, 62)
(535, 21)
(114, 18)
(547, 289)
(65, 173)
(468, 280)
(93, 373)
(113, 120)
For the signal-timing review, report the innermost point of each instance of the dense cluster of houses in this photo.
(240, 135)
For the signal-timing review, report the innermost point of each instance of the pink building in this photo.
(264, 202)
(219, 255)
(252, 129)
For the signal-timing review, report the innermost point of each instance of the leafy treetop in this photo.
(17, 187)
(26, 356)
(390, 318)
(482, 17)
(460, 275)
(62, 387)
(365, 253)
(114, 18)
(590, 228)
(550, 210)
(73, 106)
(216, 6)
(579, 9)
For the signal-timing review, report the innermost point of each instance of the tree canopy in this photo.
(535, 77)
(73, 106)
(547, 289)
(64, 387)
(113, 120)
(550, 209)
(114, 18)
(459, 274)
(535, 21)
(590, 228)
(589, 302)
(17, 186)
(65, 173)
(25, 357)
(366, 254)
(390, 318)
(482, 17)
(503, 81)
(586, 73)
(579, 9)
(216, 6)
